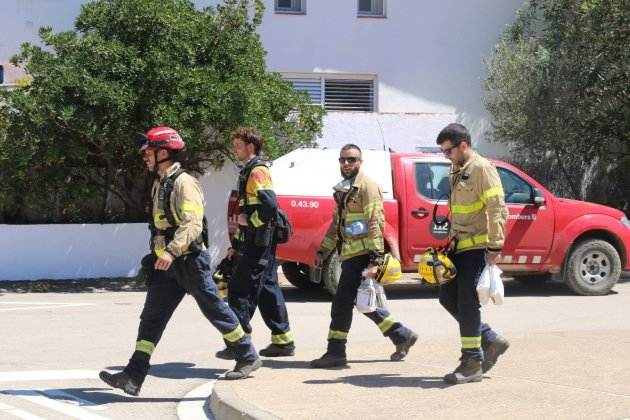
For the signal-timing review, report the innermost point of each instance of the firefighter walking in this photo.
(356, 232)
(254, 282)
(478, 216)
(180, 264)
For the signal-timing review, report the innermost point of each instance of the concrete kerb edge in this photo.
(227, 405)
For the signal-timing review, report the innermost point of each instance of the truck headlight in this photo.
(625, 222)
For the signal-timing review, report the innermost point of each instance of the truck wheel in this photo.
(298, 275)
(331, 273)
(593, 268)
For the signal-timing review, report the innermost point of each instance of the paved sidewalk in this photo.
(560, 375)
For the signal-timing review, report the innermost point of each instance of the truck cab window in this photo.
(516, 190)
(432, 180)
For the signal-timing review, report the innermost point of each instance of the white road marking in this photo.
(83, 403)
(64, 408)
(194, 405)
(46, 375)
(29, 305)
(6, 408)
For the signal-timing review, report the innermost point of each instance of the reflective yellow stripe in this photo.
(370, 207)
(328, 243)
(159, 251)
(386, 324)
(467, 208)
(250, 201)
(158, 216)
(286, 338)
(145, 347)
(471, 342)
(374, 244)
(491, 192)
(239, 235)
(234, 335)
(191, 207)
(256, 220)
(353, 217)
(337, 335)
(470, 242)
(359, 245)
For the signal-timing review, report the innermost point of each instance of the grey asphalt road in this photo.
(573, 350)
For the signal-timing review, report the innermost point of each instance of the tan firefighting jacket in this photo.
(477, 206)
(186, 203)
(362, 203)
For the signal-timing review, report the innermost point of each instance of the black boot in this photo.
(225, 354)
(469, 370)
(403, 348)
(329, 360)
(493, 351)
(243, 369)
(122, 381)
(274, 350)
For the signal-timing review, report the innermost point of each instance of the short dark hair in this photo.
(249, 136)
(351, 146)
(454, 132)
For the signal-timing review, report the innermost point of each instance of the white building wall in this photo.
(426, 56)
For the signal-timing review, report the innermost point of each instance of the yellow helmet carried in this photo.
(435, 267)
(389, 271)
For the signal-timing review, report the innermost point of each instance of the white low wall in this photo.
(72, 251)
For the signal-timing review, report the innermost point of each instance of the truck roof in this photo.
(314, 172)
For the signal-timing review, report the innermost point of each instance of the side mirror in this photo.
(538, 197)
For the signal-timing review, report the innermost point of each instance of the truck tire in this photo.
(298, 275)
(592, 268)
(331, 273)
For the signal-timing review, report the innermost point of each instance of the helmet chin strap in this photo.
(157, 162)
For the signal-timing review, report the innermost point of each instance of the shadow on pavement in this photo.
(101, 396)
(381, 380)
(177, 370)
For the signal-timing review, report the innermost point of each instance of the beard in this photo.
(351, 174)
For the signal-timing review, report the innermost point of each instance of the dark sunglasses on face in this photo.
(447, 152)
(351, 160)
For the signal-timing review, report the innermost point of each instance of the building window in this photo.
(1, 75)
(371, 8)
(291, 6)
(338, 94)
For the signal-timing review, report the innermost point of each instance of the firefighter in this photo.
(181, 264)
(254, 282)
(356, 232)
(478, 216)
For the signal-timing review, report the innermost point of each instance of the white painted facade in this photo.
(426, 59)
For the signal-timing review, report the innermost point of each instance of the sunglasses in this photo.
(350, 160)
(447, 152)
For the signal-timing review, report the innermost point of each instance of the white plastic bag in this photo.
(366, 296)
(496, 285)
(490, 285)
(483, 286)
(381, 298)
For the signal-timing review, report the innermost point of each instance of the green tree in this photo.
(67, 143)
(559, 95)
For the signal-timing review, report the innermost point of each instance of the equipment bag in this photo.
(284, 230)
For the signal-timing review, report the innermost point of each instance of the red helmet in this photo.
(162, 138)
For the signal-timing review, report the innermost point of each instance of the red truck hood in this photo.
(580, 208)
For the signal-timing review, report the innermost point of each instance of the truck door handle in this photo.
(420, 212)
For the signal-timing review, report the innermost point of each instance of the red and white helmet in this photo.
(162, 138)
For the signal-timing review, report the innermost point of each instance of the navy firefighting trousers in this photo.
(188, 274)
(343, 305)
(459, 297)
(255, 284)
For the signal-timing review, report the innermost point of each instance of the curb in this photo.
(225, 404)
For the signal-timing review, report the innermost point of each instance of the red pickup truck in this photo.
(586, 244)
